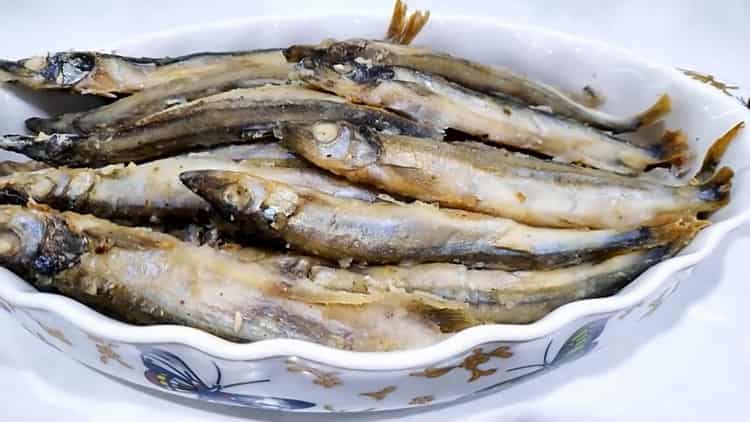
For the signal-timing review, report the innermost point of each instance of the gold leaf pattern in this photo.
(710, 80)
(322, 378)
(380, 394)
(45, 340)
(421, 400)
(653, 306)
(470, 363)
(107, 352)
(53, 332)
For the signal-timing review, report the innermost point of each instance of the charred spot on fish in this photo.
(60, 249)
(10, 195)
(362, 73)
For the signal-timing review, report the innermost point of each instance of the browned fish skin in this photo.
(139, 275)
(235, 116)
(497, 182)
(384, 232)
(488, 79)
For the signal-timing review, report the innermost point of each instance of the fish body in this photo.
(385, 232)
(257, 69)
(147, 277)
(235, 116)
(489, 180)
(430, 98)
(152, 192)
(111, 75)
(483, 78)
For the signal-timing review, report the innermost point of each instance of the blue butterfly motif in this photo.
(166, 370)
(582, 341)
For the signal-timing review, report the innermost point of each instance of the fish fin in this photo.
(448, 319)
(716, 189)
(715, 154)
(685, 227)
(656, 112)
(397, 22)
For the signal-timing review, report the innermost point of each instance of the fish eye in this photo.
(237, 196)
(325, 133)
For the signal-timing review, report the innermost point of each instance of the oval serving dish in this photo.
(299, 376)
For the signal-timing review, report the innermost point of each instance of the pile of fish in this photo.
(361, 194)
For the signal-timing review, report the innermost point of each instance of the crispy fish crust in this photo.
(385, 232)
(479, 178)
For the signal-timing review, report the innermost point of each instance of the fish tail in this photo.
(673, 148)
(683, 228)
(715, 153)
(716, 189)
(656, 112)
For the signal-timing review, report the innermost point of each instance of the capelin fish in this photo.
(157, 98)
(146, 277)
(488, 79)
(240, 115)
(110, 75)
(152, 192)
(349, 230)
(517, 297)
(430, 98)
(480, 178)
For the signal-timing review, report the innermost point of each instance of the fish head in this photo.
(59, 70)
(341, 68)
(36, 243)
(242, 196)
(335, 146)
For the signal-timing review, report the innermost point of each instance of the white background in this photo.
(691, 362)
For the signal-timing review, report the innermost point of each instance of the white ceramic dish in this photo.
(307, 377)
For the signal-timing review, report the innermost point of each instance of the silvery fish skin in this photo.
(148, 277)
(256, 69)
(479, 178)
(152, 192)
(483, 78)
(385, 232)
(110, 75)
(240, 115)
(430, 98)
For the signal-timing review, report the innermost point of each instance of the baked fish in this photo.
(143, 276)
(430, 98)
(347, 230)
(236, 116)
(494, 181)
